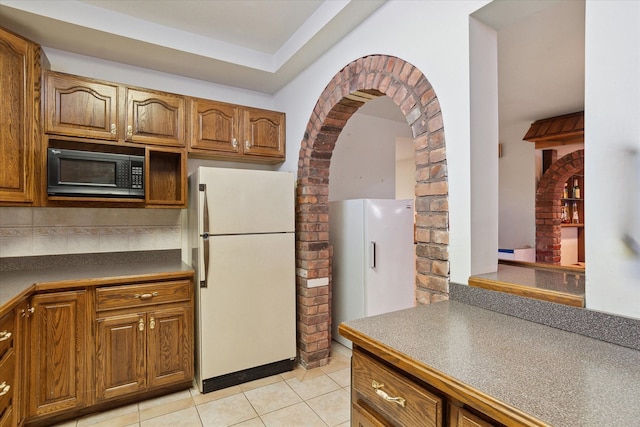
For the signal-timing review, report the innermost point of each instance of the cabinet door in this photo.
(81, 107)
(57, 364)
(264, 133)
(22, 341)
(214, 127)
(460, 417)
(19, 72)
(120, 355)
(360, 417)
(170, 345)
(154, 118)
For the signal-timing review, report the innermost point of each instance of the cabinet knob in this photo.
(4, 388)
(234, 143)
(247, 144)
(141, 324)
(28, 311)
(129, 131)
(152, 323)
(5, 335)
(114, 130)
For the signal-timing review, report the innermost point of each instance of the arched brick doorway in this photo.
(549, 206)
(357, 83)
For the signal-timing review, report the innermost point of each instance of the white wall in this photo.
(440, 49)
(612, 130)
(517, 189)
(483, 52)
(363, 161)
(405, 169)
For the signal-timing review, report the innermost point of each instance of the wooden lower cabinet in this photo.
(146, 346)
(382, 395)
(58, 354)
(95, 347)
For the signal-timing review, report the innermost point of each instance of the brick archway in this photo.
(360, 81)
(549, 206)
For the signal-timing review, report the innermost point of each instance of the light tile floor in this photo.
(316, 397)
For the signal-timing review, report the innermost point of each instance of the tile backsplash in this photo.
(53, 231)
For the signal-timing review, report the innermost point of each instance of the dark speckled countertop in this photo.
(558, 377)
(57, 272)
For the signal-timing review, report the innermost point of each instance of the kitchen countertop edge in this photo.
(534, 373)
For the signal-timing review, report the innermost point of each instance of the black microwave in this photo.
(94, 174)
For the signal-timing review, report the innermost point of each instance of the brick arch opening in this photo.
(360, 81)
(549, 206)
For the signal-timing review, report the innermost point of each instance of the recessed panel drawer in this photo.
(126, 296)
(7, 333)
(393, 396)
(7, 381)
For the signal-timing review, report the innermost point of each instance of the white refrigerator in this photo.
(373, 264)
(241, 233)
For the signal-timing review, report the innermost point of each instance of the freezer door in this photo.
(242, 201)
(248, 311)
(390, 259)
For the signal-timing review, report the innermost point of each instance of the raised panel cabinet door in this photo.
(360, 417)
(22, 342)
(460, 417)
(170, 345)
(264, 133)
(81, 107)
(155, 118)
(57, 360)
(120, 355)
(214, 127)
(19, 75)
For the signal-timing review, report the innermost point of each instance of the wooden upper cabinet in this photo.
(19, 116)
(214, 127)
(232, 132)
(264, 133)
(155, 118)
(94, 109)
(81, 107)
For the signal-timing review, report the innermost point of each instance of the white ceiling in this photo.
(261, 45)
(252, 44)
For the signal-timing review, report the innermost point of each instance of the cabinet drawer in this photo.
(125, 296)
(7, 380)
(7, 333)
(419, 407)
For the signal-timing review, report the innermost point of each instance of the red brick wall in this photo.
(549, 205)
(375, 75)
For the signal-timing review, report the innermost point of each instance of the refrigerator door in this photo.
(390, 259)
(248, 312)
(242, 201)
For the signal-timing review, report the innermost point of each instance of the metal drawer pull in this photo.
(5, 335)
(152, 323)
(383, 394)
(141, 324)
(4, 388)
(145, 296)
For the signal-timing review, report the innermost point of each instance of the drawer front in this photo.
(125, 296)
(7, 382)
(7, 332)
(384, 390)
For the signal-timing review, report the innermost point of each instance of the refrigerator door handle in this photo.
(372, 255)
(205, 236)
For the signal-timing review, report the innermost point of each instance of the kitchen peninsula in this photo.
(484, 368)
